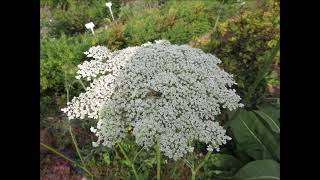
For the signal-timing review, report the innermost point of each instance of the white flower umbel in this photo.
(90, 26)
(98, 65)
(167, 93)
(109, 4)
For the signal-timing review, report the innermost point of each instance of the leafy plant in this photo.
(69, 17)
(58, 61)
(243, 43)
(220, 165)
(260, 169)
(115, 37)
(257, 133)
(175, 21)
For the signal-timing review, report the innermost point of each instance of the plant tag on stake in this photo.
(109, 4)
(90, 26)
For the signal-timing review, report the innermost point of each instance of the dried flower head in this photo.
(166, 93)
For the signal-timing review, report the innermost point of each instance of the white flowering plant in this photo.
(169, 95)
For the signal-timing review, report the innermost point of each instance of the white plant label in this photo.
(109, 4)
(90, 26)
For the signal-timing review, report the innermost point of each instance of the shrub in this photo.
(51, 3)
(45, 21)
(58, 61)
(115, 36)
(242, 42)
(176, 21)
(141, 28)
(69, 17)
(131, 8)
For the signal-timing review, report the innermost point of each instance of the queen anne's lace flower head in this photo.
(167, 93)
(99, 64)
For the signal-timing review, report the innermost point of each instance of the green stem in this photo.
(268, 62)
(66, 85)
(135, 157)
(66, 158)
(158, 156)
(195, 170)
(202, 162)
(193, 176)
(263, 71)
(216, 23)
(70, 130)
(218, 17)
(131, 164)
(83, 86)
(74, 141)
(174, 170)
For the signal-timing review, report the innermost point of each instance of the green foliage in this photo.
(140, 29)
(260, 169)
(273, 123)
(255, 135)
(242, 43)
(59, 58)
(176, 21)
(69, 17)
(220, 165)
(129, 10)
(106, 158)
(46, 106)
(115, 36)
(52, 3)
(45, 21)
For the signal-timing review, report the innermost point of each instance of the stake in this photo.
(109, 4)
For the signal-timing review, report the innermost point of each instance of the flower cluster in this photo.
(99, 64)
(168, 94)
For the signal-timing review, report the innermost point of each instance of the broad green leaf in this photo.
(259, 170)
(271, 122)
(272, 111)
(253, 137)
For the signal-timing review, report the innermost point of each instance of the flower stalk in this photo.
(130, 162)
(158, 157)
(74, 141)
(195, 170)
(76, 146)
